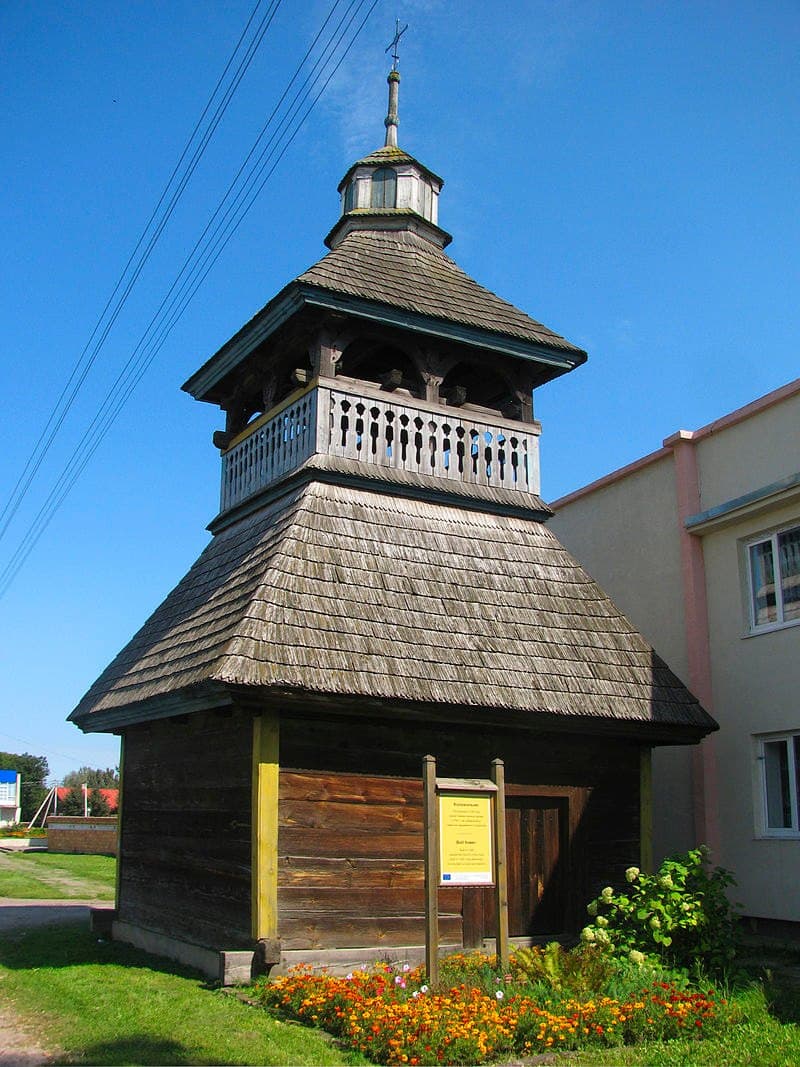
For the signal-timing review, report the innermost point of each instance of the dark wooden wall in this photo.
(350, 838)
(185, 843)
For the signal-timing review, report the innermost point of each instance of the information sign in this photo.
(466, 850)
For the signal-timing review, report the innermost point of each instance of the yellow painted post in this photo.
(646, 809)
(264, 894)
(431, 820)
(500, 867)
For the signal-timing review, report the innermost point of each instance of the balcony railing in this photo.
(381, 431)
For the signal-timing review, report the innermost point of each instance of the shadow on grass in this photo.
(68, 945)
(138, 1049)
(783, 998)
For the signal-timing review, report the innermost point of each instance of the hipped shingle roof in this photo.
(404, 270)
(337, 590)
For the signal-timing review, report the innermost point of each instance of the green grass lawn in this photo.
(101, 1002)
(97, 1002)
(56, 876)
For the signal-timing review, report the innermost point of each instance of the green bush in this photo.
(583, 971)
(681, 915)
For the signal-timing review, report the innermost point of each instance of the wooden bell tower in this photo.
(380, 584)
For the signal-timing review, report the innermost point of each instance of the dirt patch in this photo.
(20, 1042)
(19, 1046)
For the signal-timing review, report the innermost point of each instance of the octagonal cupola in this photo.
(390, 189)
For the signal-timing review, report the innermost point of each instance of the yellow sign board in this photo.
(465, 839)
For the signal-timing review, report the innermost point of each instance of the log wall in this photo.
(350, 839)
(185, 842)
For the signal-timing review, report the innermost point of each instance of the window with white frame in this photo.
(774, 570)
(8, 792)
(780, 782)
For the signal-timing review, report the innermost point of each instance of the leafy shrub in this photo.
(21, 830)
(681, 915)
(579, 972)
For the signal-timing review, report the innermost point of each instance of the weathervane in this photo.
(398, 33)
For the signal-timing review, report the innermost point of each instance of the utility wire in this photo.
(83, 365)
(135, 369)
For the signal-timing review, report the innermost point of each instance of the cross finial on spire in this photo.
(394, 43)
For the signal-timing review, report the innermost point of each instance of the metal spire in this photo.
(392, 120)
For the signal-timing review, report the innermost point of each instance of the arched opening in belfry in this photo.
(469, 383)
(384, 365)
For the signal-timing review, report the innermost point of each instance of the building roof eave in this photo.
(296, 295)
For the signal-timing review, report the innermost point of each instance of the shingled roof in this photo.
(404, 270)
(343, 591)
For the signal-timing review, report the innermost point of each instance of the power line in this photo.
(83, 365)
(136, 367)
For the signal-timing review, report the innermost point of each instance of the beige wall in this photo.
(624, 536)
(756, 685)
(626, 533)
(750, 454)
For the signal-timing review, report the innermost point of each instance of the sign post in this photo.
(465, 845)
(430, 817)
(501, 869)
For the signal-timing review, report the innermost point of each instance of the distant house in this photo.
(699, 544)
(111, 796)
(10, 794)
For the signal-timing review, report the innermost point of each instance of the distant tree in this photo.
(72, 803)
(98, 805)
(34, 771)
(94, 777)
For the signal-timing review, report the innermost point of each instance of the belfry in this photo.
(380, 584)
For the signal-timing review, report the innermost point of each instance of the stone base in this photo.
(225, 967)
(241, 966)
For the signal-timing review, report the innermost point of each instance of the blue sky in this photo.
(626, 173)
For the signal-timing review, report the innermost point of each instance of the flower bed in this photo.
(392, 1016)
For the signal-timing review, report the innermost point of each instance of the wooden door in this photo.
(536, 855)
(537, 836)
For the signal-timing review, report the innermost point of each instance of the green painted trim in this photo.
(296, 295)
(451, 331)
(271, 317)
(722, 512)
(120, 800)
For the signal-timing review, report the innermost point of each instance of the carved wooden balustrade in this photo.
(381, 430)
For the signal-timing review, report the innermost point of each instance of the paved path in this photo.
(20, 1045)
(24, 914)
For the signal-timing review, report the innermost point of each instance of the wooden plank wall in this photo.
(185, 843)
(350, 868)
(350, 833)
(350, 823)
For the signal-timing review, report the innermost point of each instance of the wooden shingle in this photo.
(343, 591)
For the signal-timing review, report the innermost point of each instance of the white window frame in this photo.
(779, 623)
(790, 739)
